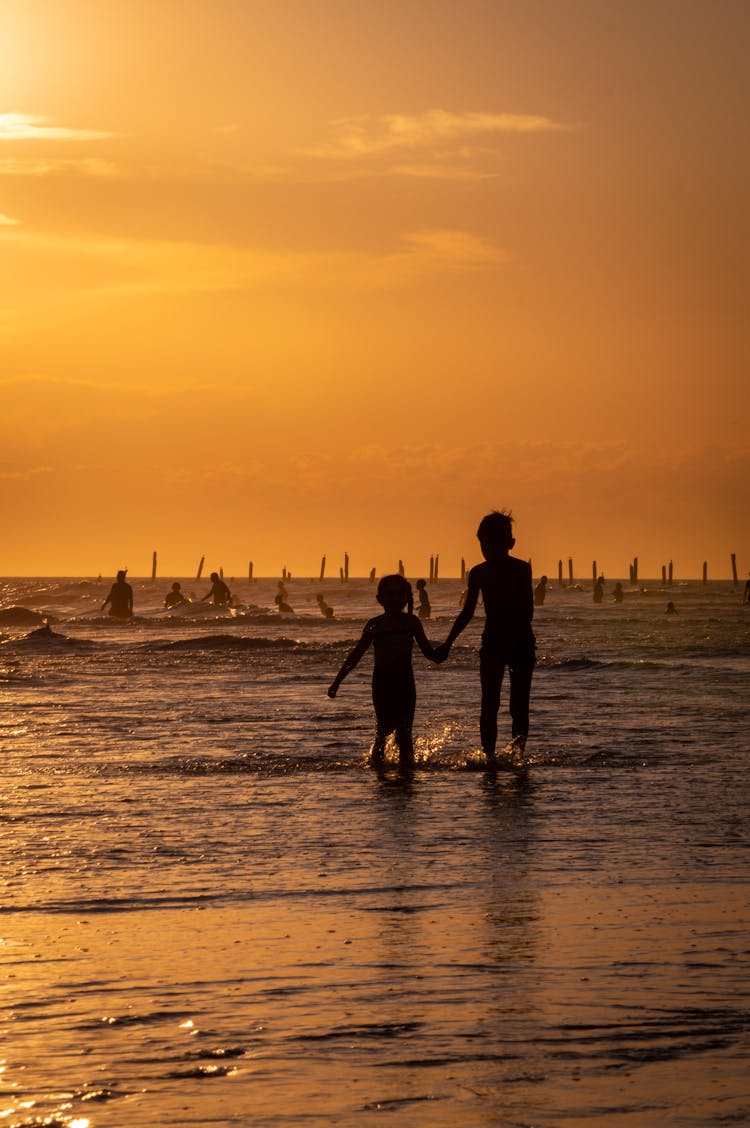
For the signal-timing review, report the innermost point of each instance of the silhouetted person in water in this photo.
(174, 597)
(504, 582)
(599, 590)
(540, 592)
(282, 605)
(325, 610)
(282, 592)
(425, 610)
(394, 696)
(218, 591)
(618, 593)
(670, 609)
(120, 598)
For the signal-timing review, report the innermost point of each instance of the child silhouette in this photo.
(504, 582)
(394, 697)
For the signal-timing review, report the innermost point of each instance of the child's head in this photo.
(421, 584)
(175, 586)
(394, 593)
(495, 534)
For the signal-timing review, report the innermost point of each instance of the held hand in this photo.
(442, 652)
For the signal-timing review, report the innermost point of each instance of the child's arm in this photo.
(463, 618)
(352, 659)
(422, 641)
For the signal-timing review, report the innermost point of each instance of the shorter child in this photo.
(394, 696)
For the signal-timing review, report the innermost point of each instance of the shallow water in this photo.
(213, 912)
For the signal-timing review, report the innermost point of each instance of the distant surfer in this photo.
(174, 597)
(282, 605)
(425, 608)
(599, 590)
(504, 582)
(218, 592)
(618, 593)
(394, 696)
(540, 592)
(120, 598)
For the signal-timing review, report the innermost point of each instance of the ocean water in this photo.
(213, 912)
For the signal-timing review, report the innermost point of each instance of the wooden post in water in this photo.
(437, 567)
(401, 569)
(346, 565)
(250, 572)
(153, 567)
(635, 569)
(663, 574)
(734, 569)
(341, 574)
(705, 571)
(463, 569)
(593, 572)
(372, 575)
(560, 574)
(221, 573)
(200, 568)
(630, 573)
(323, 568)
(671, 573)
(432, 569)
(570, 570)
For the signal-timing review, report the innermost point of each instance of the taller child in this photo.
(504, 582)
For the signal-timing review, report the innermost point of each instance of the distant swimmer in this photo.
(219, 592)
(670, 609)
(325, 610)
(120, 598)
(599, 590)
(425, 609)
(283, 606)
(540, 592)
(174, 597)
(394, 696)
(45, 632)
(618, 593)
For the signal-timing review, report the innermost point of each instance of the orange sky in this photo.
(283, 278)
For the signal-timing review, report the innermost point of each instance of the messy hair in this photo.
(496, 526)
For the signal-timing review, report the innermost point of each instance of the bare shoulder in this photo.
(521, 566)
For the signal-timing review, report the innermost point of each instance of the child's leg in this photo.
(520, 691)
(405, 745)
(377, 752)
(491, 671)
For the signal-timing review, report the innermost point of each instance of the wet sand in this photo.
(570, 948)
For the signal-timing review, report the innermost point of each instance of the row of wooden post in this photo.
(667, 572)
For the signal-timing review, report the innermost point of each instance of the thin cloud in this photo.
(35, 166)
(363, 137)
(8, 221)
(32, 127)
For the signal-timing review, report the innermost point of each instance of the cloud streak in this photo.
(32, 127)
(356, 138)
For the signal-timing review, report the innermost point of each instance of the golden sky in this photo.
(283, 277)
